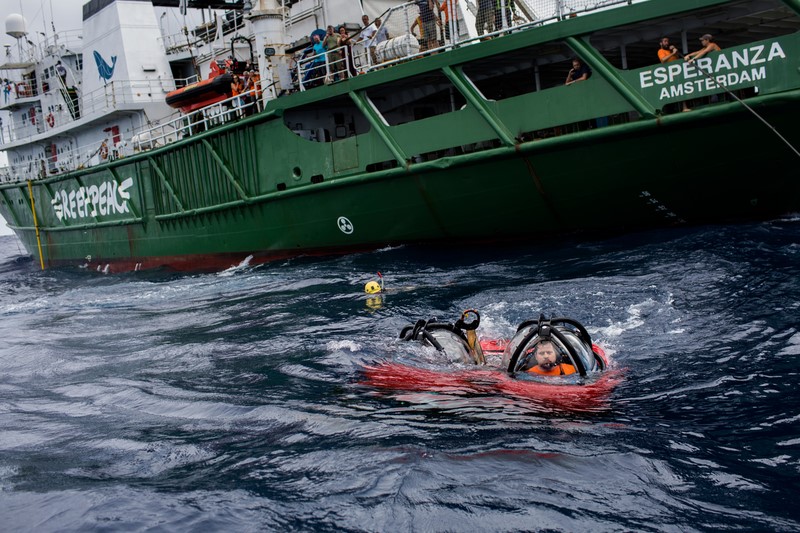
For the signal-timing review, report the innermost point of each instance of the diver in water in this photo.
(375, 292)
(372, 287)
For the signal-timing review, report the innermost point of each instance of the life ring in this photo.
(51, 120)
(104, 151)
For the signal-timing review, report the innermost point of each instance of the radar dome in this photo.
(15, 26)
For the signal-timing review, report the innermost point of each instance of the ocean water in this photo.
(237, 401)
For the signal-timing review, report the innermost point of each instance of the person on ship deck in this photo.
(667, 52)
(249, 91)
(332, 44)
(347, 53)
(424, 42)
(708, 46)
(578, 72)
(707, 41)
(484, 20)
(313, 62)
(62, 73)
(510, 12)
(366, 34)
(444, 10)
(428, 19)
(382, 34)
(237, 87)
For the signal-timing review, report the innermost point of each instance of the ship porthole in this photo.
(297, 173)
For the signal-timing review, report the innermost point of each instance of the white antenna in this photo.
(52, 19)
(15, 26)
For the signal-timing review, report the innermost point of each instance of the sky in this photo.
(65, 15)
(41, 15)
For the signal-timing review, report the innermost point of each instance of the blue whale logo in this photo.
(105, 70)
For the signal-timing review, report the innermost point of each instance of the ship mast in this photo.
(267, 19)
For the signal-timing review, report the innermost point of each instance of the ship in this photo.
(423, 128)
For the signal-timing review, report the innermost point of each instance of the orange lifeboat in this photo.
(202, 93)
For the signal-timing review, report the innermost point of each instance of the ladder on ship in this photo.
(70, 96)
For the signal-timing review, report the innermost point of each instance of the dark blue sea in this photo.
(235, 401)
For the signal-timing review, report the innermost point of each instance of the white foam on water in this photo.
(245, 263)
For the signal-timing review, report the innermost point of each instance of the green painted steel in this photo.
(480, 104)
(382, 130)
(618, 82)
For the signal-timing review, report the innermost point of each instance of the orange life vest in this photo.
(559, 370)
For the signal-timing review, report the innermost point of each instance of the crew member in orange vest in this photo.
(548, 361)
(237, 87)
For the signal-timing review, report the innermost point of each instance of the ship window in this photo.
(382, 165)
(521, 71)
(416, 98)
(315, 122)
(635, 46)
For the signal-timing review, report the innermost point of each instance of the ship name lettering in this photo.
(676, 71)
(106, 199)
(708, 84)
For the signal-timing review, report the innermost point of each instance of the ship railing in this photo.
(24, 125)
(100, 101)
(57, 162)
(20, 91)
(324, 68)
(180, 42)
(410, 35)
(119, 93)
(401, 37)
(196, 122)
(31, 123)
(199, 121)
(183, 82)
(405, 33)
(27, 53)
(153, 136)
(70, 95)
(84, 156)
(229, 22)
(6, 174)
(22, 54)
(62, 43)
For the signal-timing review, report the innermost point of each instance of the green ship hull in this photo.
(598, 156)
